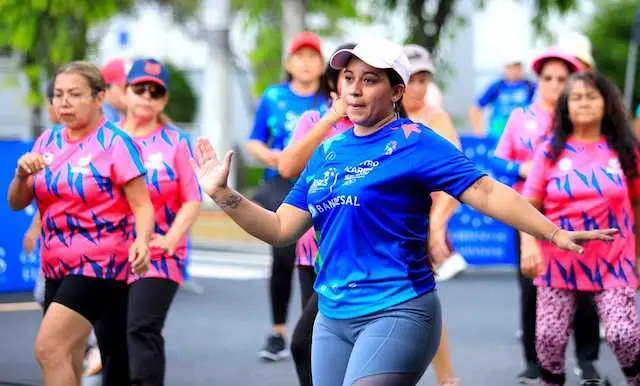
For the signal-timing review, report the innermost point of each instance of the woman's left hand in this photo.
(163, 242)
(570, 241)
(139, 256)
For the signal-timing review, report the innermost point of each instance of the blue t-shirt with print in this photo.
(504, 97)
(368, 197)
(277, 115)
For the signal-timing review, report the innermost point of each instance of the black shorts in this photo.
(88, 296)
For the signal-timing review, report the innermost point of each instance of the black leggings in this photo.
(149, 302)
(301, 339)
(586, 330)
(280, 284)
(104, 304)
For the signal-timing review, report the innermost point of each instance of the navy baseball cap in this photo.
(148, 70)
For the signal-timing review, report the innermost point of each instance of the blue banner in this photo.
(18, 270)
(480, 239)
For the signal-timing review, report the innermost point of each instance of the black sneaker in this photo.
(275, 348)
(589, 375)
(530, 376)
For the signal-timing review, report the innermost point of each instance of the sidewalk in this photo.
(215, 231)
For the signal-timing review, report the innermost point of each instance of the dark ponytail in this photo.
(394, 80)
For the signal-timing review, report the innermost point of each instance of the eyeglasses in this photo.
(155, 90)
(71, 98)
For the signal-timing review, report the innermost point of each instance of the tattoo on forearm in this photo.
(483, 184)
(231, 201)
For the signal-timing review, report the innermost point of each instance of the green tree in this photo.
(610, 32)
(182, 104)
(427, 21)
(266, 16)
(47, 33)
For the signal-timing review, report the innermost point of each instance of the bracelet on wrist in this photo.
(553, 235)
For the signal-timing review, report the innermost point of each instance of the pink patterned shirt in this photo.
(525, 129)
(86, 226)
(585, 189)
(171, 182)
(307, 245)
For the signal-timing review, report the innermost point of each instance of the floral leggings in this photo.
(617, 310)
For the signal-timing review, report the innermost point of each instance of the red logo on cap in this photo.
(152, 68)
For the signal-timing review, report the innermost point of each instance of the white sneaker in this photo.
(451, 267)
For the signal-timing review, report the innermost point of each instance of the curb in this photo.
(232, 246)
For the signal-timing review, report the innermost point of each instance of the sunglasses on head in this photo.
(155, 90)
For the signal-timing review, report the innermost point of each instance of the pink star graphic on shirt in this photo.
(408, 129)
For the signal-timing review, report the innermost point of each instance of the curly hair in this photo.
(615, 125)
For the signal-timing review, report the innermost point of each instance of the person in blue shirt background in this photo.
(503, 96)
(367, 191)
(276, 117)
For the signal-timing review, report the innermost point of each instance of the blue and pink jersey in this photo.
(585, 189)
(86, 225)
(307, 245)
(171, 181)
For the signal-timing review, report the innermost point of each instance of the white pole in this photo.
(630, 76)
(293, 13)
(214, 103)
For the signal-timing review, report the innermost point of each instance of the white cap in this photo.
(419, 59)
(579, 46)
(378, 53)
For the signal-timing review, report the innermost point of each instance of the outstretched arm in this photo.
(279, 228)
(505, 204)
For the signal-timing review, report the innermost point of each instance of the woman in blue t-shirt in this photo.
(276, 117)
(367, 192)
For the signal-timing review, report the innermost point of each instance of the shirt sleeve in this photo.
(638, 111)
(502, 161)
(504, 149)
(37, 144)
(189, 187)
(260, 131)
(445, 169)
(489, 95)
(536, 182)
(533, 87)
(127, 160)
(306, 122)
(298, 194)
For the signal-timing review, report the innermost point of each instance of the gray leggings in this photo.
(392, 347)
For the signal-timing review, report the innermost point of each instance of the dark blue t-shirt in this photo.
(277, 115)
(369, 200)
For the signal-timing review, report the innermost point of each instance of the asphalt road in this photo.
(212, 338)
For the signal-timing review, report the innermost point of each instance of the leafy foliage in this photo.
(48, 33)
(266, 17)
(182, 104)
(610, 32)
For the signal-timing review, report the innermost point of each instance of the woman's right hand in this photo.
(29, 164)
(30, 240)
(212, 175)
(531, 262)
(338, 106)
